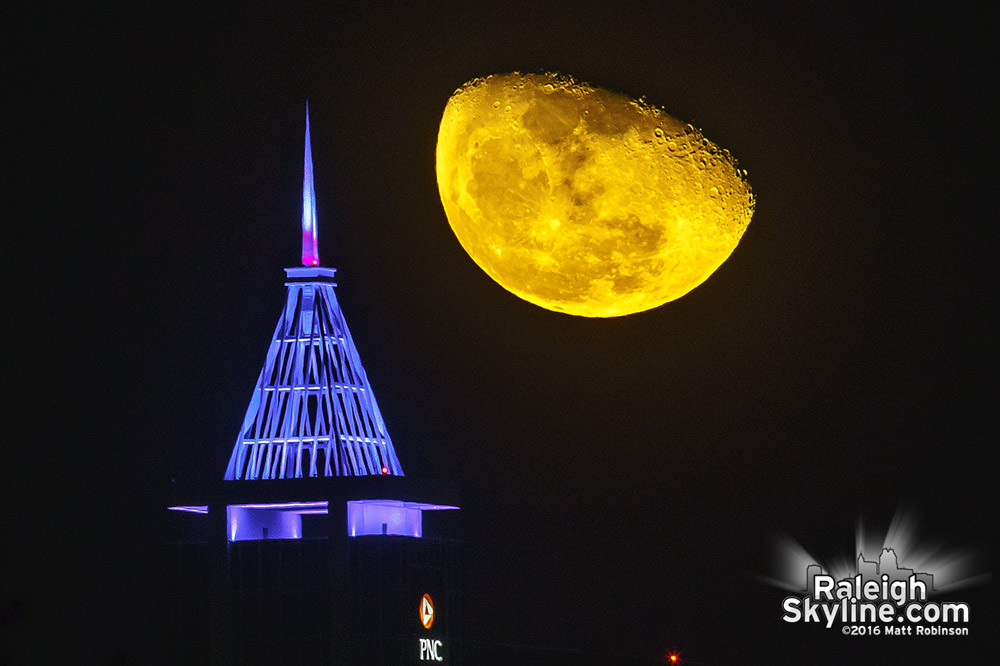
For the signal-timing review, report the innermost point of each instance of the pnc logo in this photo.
(426, 611)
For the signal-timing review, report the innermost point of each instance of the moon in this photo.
(585, 201)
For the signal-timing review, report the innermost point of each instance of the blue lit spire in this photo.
(310, 248)
(312, 412)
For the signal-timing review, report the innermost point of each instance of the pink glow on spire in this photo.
(310, 248)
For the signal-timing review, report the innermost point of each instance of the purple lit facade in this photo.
(283, 520)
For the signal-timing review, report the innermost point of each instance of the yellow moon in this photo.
(584, 201)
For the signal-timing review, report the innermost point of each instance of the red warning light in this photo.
(674, 658)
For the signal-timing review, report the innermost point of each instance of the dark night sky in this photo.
(621, 478)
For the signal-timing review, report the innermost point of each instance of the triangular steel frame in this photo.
(312, 412)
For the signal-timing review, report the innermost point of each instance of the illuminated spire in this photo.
(312, 412)
(310, 249)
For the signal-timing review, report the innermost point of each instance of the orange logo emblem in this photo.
(426, 611)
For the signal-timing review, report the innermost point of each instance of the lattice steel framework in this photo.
(312, 412)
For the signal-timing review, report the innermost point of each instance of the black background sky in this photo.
(622, 479)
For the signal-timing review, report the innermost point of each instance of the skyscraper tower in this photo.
(314, 550)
